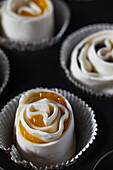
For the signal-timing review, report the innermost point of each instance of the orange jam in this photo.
(48, 95)
(37, 120)
(30, 137)
(43, 6)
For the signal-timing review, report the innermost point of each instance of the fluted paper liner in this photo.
(67, 48)
(4, 70)
(85, 129)
(62, 19)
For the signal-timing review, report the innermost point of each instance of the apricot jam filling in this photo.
(42, 4)
(29, 137)
(37, 121)
(47, 95)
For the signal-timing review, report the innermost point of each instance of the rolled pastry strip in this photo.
(44, 128)
(28, 20)
(92, 61)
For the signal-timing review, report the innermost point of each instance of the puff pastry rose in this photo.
(44, 128)
(92, 62)
(27, 20)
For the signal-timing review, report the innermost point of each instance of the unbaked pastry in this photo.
(92, 62)
(44, 128)
(28, 20)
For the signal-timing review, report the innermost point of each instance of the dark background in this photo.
(42, 69)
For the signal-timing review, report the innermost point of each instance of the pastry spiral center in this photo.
(44, 117)
(95, 55)
(106, 52)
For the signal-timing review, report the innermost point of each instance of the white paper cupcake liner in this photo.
(85, 129)
(4, 70)
(67, 48)
(62, 19)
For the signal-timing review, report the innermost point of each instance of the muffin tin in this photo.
(42, 68)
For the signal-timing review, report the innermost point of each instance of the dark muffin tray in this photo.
(42, 69)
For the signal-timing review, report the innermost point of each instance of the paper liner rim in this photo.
(7, 70)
